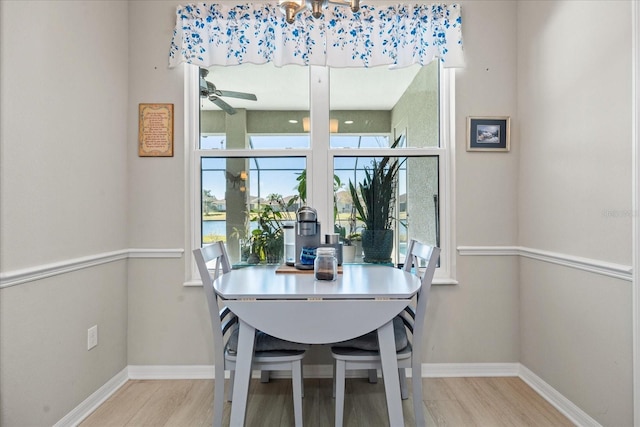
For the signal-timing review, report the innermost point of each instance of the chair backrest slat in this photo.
(417, 251)
(204, 256)
(227, 324)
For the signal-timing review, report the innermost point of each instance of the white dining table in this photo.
(295, 307)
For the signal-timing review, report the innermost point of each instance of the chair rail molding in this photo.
(618, 271)
(18, 277)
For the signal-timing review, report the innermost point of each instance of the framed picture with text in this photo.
(155, 130)
(488, 133)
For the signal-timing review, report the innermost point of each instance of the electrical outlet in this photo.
(92, 337)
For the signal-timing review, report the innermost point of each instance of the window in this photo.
(321, 128)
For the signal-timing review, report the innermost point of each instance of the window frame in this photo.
(319, 156)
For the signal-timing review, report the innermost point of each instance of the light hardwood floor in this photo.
(504, 401)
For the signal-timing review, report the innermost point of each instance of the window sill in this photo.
(444, 281)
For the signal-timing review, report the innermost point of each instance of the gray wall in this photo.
(477, 320)
(574, 108)
(64, 188)
(487, 297)
(168, 323)
(83, 190)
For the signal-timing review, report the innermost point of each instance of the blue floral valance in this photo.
(217, 34)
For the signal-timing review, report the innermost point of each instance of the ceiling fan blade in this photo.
(223, 105)
(241, 95)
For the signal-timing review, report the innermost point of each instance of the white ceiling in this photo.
(287, 88)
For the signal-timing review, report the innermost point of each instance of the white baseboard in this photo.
(92, 402)
(441, 370)
(561, 403)
(171, 372)
(207, 372)
(429, 370)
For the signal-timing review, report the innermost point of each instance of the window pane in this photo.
(212, 141)
(236, 190)
(359, 141)
(262, 142)
(369, 109)
(383, 101)
(415, 207)
(281, 107)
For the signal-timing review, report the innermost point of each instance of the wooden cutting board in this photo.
(289, 269)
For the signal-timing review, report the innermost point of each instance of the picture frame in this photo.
(155, 130)
(490, 133)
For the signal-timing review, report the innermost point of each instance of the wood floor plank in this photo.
(197, 409)
(526, 400)
(318, 403)
(365, 403)
(481, 410)
(163, 404)
(123, 406)
(446, 413)
(436, 389)
(494, 397)
(504, 401)
(269, 401)
(428, 418)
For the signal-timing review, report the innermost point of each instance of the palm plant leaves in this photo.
(374, 197)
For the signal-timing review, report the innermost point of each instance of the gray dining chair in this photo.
(363, 352)
(270, 354)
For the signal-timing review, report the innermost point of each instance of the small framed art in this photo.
(155, 130)
(488, 133)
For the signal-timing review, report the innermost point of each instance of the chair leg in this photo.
(404, 390)
(416, 381)
(218, 396)
(339, 380)
(232, 377)
(373, 376)
(334, 381)
(296, 382)
(264, 376)
(302, 377)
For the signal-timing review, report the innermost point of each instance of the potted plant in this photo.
(351, 248)
(267, 240)
(374, 200)
(244, 242)
(355, 240)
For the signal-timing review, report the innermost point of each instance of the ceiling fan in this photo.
(210, 91)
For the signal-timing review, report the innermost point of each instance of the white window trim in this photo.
(191, 170)
(446, 273)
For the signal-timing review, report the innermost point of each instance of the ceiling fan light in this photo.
(291, 8)
(316, 8)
